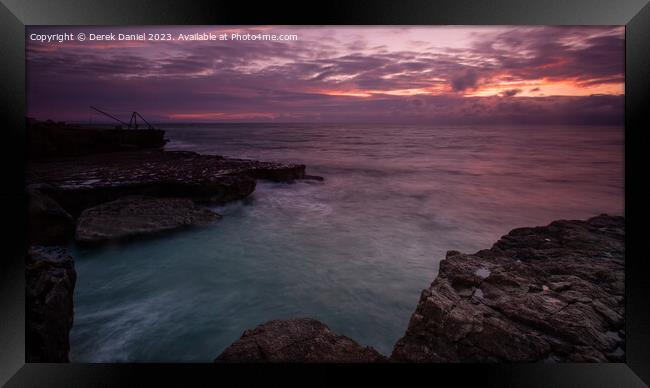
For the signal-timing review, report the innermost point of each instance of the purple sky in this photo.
(441, 75)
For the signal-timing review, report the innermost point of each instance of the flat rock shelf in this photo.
(82, 182)
(133, 216)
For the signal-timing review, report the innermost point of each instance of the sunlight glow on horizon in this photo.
(337, 72)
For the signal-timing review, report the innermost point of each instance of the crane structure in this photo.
(133, 122)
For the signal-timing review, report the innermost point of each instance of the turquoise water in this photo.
(354, 251)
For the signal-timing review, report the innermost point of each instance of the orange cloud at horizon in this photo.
(221, 116)
(533, 88)
(540, 88)
(338, 74)
(433, 90)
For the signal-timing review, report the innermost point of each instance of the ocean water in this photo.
(354, 251)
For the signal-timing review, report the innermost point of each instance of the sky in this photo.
(432, 74)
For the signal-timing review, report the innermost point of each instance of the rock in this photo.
(552, 293)
(47, 222)
(296, 340)
(139, 215)
(313, 178)
(85, 181)
(50, 281)
(560, 286)
(273, 171)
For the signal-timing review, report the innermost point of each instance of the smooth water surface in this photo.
(354, 251)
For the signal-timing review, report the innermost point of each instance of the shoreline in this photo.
(466, 315)
(89, 200)
(530, 303)
(544, 294)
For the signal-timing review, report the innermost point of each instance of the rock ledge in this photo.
(552, 293)
(50, 279)
(133, 216)
(296, 340)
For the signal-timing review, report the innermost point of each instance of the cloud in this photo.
(556, 53)
(468, 79)
(323, 79)
(510, 92)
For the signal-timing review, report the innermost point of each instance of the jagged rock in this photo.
(296, 340)
(552, 293)
(50, 281)
(47, 222)
(82, 182)
(139, 215)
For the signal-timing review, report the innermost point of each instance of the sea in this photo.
(354, 251)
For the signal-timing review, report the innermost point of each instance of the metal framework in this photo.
(133, 122)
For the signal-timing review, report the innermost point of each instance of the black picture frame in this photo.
(16, 14)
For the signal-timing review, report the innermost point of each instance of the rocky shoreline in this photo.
(85, 197)
(100, 198)
(297, 340)
(82, 182)
(543, 294)
(553, 293)
(50, 280)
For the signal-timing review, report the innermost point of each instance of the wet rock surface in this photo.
(296, 340)
(133, 216)
(553, 293)
(82, 182)
(50, 280)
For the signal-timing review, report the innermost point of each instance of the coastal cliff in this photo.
(553, 293)
(542, 294)
(50, 279)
